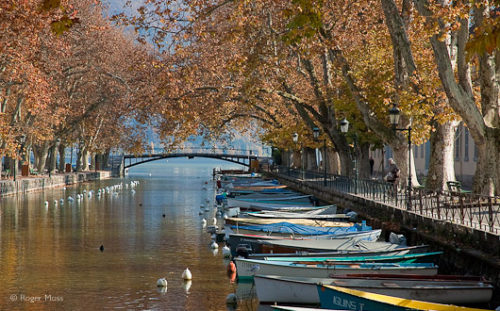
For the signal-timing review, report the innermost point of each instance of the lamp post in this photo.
(394, 114)
(295, 138)
(316, 136)
(344, 128)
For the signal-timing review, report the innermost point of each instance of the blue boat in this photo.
(335, 297)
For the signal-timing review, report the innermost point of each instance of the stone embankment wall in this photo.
(10, 187)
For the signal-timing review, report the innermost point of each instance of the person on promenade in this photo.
(393, 175)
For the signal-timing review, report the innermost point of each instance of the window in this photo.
(415, 151)
(422, 147)
(466, 145)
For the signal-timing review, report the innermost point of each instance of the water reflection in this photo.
(54, 250)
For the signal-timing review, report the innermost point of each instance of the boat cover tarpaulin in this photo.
(286, 227)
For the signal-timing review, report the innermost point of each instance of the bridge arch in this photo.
(141, 159)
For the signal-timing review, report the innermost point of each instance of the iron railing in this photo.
(466, 209)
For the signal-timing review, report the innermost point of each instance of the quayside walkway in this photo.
(465, 226)
(456, 216)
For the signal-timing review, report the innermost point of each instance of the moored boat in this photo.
(352, 299)
(304, 222)
(255, 241)
(302, 200)
(247, 268)
(408, 258)
(318, 210)
(439, 289)
(258, 187)
(338, 245)
(400, 250)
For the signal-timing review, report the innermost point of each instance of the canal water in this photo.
(50, 257)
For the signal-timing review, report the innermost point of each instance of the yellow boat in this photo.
(335, 297)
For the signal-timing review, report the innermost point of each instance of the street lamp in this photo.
(295, 138)
(394, 114)
(316, 136)
(344, 128)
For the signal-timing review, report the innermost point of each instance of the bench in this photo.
(455, 188)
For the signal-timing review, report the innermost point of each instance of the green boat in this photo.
(407, 258)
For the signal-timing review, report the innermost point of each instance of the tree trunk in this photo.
(79, 160)
(41, 153)
(346, 166)
(332, 162)
(310, 159)
(93, 160)
(487, 176)
(364, 161)
(86, 155)
(105, 159)
(62, 157)
(53, 158)
(296, 159)
(441, 165)
(285, 158)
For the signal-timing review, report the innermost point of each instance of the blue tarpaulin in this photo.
(286, 227)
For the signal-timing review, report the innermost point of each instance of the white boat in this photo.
(318, 210)
(370, 235)
(440, 289)
(322, 245)
(403, 250)
(276, 202)
(247, 268)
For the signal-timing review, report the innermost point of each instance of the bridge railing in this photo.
(466, 209)
(208, 150)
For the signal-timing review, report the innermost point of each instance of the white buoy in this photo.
(225, 216)
(186, 275)
(161, 282)
(55, 202)
(226, 251)
(215, 221)
(46, 203)
(214, 245)
(203, 222)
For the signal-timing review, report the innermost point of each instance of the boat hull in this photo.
(247, 268)
(349, 299)
(303, 290)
